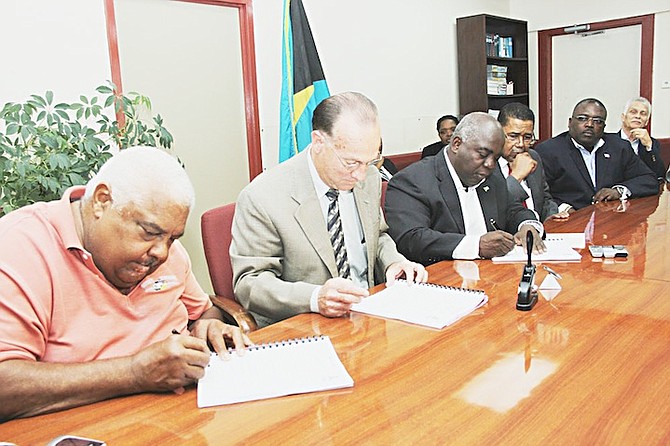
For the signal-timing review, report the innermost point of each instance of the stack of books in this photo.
(499, 46)
(496, 80)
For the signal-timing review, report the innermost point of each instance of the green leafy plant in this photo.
(47, 146)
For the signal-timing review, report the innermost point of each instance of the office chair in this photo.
(216, 225)
(384, 186)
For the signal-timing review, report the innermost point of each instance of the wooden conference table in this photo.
(590, 365)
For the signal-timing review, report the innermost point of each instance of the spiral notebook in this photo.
(270, 370)
(427, 304)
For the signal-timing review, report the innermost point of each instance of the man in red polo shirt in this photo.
(94, 286)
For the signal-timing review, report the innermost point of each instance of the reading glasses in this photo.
(525, 138)
(350, 165)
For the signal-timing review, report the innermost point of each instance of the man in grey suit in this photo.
(455, 205)
(522, 166)
(285, 236)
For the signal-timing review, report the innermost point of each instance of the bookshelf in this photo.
(479, 49)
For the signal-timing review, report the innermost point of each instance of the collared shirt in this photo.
(57, 306)
(354, 238)
(635, 143)
(505, 168)
(473, 216)
(589, 157)
(590, 161)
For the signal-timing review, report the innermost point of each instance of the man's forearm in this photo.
(32, 388)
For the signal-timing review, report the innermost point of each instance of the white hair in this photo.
(642, 100)
(137, 174)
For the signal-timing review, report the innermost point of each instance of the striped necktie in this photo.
(336, 234)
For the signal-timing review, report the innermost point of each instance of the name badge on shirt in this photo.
(159, 284)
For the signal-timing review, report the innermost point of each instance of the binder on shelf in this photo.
(271, 370)
(427, 304)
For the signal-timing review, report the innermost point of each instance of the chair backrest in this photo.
(216, 225)
(384, 186)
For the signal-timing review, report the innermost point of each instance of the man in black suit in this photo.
(455, 205)
(634, 119)
(522, 166)
(445, 128)
(583, 165)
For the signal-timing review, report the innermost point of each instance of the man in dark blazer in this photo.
(583, 165)
(455, 205)
(522, 166)
(634, 120)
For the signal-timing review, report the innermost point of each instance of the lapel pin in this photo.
(606, 155)
(486, 188)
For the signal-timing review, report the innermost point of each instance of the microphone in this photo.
(526, 299)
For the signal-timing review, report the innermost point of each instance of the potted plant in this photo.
(48, 146)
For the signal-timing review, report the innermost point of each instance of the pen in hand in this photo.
(493, 224)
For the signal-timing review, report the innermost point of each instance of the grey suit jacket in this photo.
(281, 249)
(424, 212)
(545, 206)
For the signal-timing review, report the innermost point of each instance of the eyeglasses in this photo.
(583, 119)
(525, 138)
(350, 165)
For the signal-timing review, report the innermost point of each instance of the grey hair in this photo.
(472, 124)
(644, 101)
(137, 174)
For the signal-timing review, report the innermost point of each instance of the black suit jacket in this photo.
(424, 214)
(652, 158)
(545, 206)
(616, 164)
(432, 149)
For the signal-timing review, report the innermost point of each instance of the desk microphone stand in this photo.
(526, 298)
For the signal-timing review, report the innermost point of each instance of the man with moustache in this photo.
(97, 297)
(522, 166)
(634, 120)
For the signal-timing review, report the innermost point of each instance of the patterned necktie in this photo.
(336, 234)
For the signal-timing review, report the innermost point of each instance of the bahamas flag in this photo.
(303, 82)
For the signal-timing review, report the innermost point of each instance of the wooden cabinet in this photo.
(474, 33)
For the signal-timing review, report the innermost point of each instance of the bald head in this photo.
(475, 146)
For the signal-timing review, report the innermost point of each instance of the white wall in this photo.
(571, 12)
(401, 54)
(52, 45)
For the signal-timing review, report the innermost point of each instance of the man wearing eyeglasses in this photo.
(309, 234)
(584, 165)
(522, 166)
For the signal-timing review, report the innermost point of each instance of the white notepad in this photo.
(271, 370)
(427, 304)
(557, 251)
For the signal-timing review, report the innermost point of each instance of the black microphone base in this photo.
(527, 306)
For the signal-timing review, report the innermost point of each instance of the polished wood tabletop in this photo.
(589, 364)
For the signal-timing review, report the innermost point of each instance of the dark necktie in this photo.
(336, 234)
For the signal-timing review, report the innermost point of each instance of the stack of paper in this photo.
(272, 370)
(425, 304)
(559, 249)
